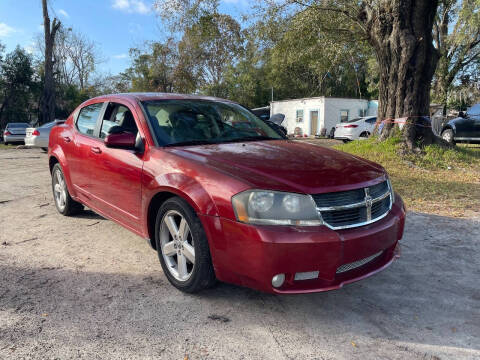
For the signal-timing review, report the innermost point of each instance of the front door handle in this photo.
(96, 150)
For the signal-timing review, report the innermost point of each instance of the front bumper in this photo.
(251, 255)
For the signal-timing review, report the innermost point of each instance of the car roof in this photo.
(149, 96)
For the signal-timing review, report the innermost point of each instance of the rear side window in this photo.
(87, 119)
(371, 121)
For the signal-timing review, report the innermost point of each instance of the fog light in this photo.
(278, 280)
(306, 275)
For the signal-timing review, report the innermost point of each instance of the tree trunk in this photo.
(47, 109)
(400, 32)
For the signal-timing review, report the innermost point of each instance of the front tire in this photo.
(447, 135)
(182, 247)
(63, 201)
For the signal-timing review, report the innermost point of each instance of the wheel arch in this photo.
(58, 157)
(448, 126)
(154, 205)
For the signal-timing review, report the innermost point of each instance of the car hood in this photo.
(286, 165)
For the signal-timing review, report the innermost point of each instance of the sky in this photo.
(114, 25)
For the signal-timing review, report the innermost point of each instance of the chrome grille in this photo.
(357, 264)
(346, 209)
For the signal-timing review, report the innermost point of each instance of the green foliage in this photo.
(153, 69)
(308, 59)
(457, 39)
(209, 48)
(16, 85)
(434, 157)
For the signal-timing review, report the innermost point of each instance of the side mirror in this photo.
(121, 141)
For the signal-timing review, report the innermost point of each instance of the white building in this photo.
(312, 115)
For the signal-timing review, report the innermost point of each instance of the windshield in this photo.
(184, 122)
(17, 125)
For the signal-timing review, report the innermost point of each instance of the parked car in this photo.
(275, 122)
(465, 128)
(355, 129)
(14, 133)
(241, 205)
(38, 137)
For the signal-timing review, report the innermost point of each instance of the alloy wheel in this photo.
(177, 245)
(447, 136)
(60, 190)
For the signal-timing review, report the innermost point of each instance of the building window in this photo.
(343, 115)
(299, 115)
(362, 112)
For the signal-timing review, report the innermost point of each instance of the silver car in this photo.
(38, 137)
(14, 132)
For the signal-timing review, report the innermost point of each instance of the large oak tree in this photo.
(400, 33)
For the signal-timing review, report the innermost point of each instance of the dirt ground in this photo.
(85, 288)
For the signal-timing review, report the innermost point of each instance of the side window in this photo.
(371, 121)
(117, 119)
(362, 112)
(87, 119)
(343, 115)
(299, 116)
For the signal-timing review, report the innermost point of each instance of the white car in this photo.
(38, 137)
(14, 132)
(355, 129)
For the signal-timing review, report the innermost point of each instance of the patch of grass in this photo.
(440, 181)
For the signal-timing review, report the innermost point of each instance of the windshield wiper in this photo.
(190, 142)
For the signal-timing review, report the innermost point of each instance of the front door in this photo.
(313, 122)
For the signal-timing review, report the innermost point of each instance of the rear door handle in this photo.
(66, 139)
(96, 150)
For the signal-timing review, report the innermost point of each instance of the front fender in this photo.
(183, 186)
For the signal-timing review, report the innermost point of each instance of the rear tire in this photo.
(178, 231)
(345, 141)
(365, 134)
(63, 202)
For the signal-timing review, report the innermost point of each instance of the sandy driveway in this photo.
(86, 288)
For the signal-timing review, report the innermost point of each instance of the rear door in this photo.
(116, 185)
(84, 143)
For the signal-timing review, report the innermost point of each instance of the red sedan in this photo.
(221, 195)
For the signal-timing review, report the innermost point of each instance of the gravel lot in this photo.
(84, 287)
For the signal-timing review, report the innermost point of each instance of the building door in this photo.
(313, 122)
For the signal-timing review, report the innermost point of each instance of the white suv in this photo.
(355, 129)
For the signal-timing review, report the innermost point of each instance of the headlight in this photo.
(263, 207)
